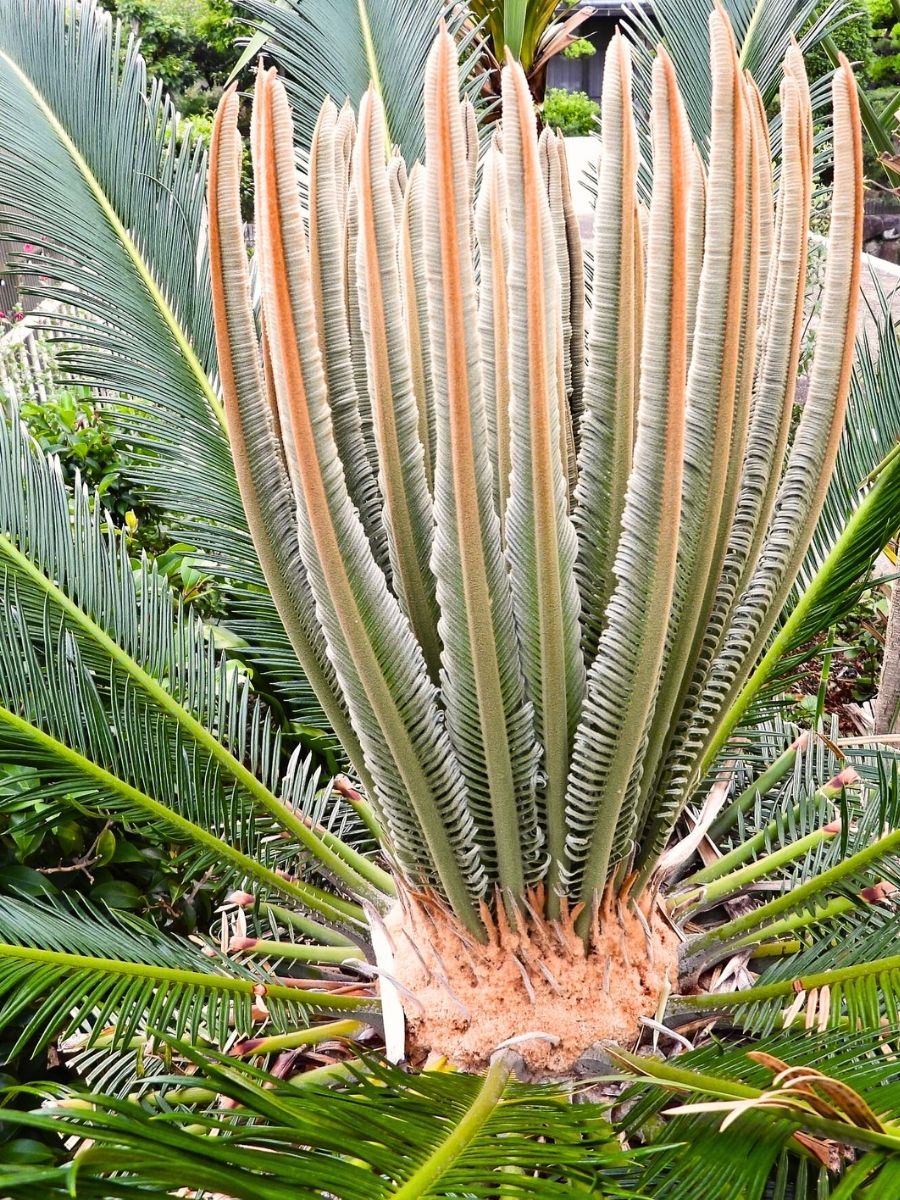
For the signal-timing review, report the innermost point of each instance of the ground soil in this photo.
(535, 988)
(842, 689)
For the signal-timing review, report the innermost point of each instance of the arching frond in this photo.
(67, 965)
(112, 191)
(765, 1144)
(341, 49)
(763, 30)
(89, 650)
(438, 1134)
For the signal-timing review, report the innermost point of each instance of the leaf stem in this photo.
(331, 907)
(461, 1134)
(734, 881)
(810, 891)
(301, 1037)
(335, 863)
(300, 951)
(745, 850)
(789, 987)
(772, 775)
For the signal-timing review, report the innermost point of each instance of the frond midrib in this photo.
(144, 272)
(181, 976)
(461, 1136)
(307, 894)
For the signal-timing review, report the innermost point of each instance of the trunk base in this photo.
(536, 988)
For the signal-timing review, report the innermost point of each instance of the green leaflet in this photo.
(64, 962)
(117, 203)
(70, 596)
(433, 1135)
(339, 49)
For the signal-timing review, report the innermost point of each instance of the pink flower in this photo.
(43, 279)
(30, 248)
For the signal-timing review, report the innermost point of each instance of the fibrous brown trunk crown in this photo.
(534, 984)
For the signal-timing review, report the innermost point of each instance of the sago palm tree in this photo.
(536, 591)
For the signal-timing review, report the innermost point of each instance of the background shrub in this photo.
(573, 113)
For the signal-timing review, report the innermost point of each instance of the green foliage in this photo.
(136, 754)
(68, 422)
(853, 37)
(756, 1154)
(881, 15)
(883, 67)
(580, 48)
(573, 113)
(152, 347)
(426, 1137)
(189, 45)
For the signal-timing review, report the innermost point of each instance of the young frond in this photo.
(583, 550)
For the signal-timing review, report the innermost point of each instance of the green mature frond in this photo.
(95, 171)
(426, 1137)
(830, 595)
(89, 648)
(858, 979)
(68, 966)
(341, 49)
(763, 30)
